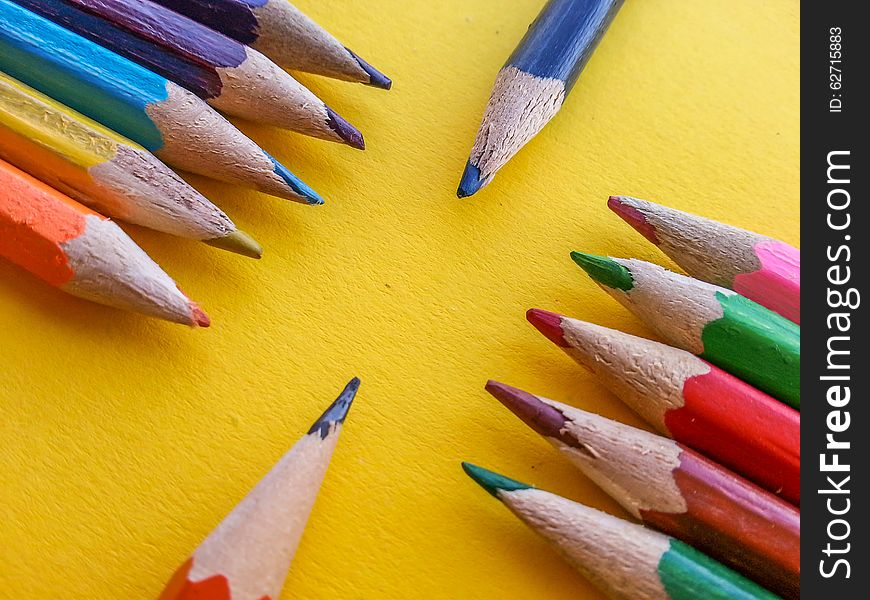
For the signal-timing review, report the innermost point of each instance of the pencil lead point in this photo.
(541, 417)
(548, 323)
(604, 270)
(471, 181)
(626, 208)
(199, 317)
(299, 187)
(376, 78)
(492, 482)
(347, 132)
(337, 411)
(239, 242)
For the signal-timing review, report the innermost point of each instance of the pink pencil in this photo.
(763, 269)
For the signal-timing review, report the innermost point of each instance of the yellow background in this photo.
(125, 440)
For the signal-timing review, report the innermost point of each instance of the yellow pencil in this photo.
(106, 171)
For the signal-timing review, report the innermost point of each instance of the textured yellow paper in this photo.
(126, 440)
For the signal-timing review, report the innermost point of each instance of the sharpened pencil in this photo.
(763, 269)
(283, 33)
(689, 400)
(534, 82)
(249, 553)
(732, 332)
(179, 128)
(624, 560)
(673, 489)
(105, 171)
(81, 252)
(228, 75)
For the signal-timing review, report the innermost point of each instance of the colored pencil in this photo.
(229, 76)
(105, 171)
(249, 553)
(673, 489)
(534, 82)
(179, 128)
(761, 268)
(81, 252)
(283, 33)
(689, 400)
(732, 332)
(624, 560)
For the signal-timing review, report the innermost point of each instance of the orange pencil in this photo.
(83, 253)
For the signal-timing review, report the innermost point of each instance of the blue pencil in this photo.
(532, 85)
(166, 119)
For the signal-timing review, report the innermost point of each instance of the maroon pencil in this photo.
(673, 489)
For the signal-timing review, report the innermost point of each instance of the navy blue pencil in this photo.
(532, 85)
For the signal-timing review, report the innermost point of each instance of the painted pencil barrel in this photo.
(283, 33)
(626, 561)
(105, 171)
(161, 116)
(690, 400)
(229, 76)
(71, 247)
(763, 269)
(732, 332)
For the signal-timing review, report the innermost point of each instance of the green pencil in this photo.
(734, 333)
(626, 561)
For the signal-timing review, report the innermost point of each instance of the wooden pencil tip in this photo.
(337, 411)
(548, 323)
(299, 188)
(604, 270)
(347, 132)
(541, 417)
(471, 182)
(626, 208)
(493, 482)
(199, 317)
(239, 242)
(376, 78)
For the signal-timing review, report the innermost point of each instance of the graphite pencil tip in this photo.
(239, 242)
(541, 417)
(337, 411)
(299, 187)
(470, 182)
(492, 482)
(605, 271)
(548, 323)
(347, 132)
(626, 208)
(376, 78)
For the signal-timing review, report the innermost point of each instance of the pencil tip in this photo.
(470, 182)
(347, 132)
(337, 411)
(299, 187)
(626, 208)
(376, 78)
(548, 323)
(604, 270)
(541, 417)
(239, 242)
(199, 317)
(493, 482)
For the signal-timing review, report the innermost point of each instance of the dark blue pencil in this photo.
(532, 85)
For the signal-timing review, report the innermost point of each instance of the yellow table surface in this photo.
(126, 440)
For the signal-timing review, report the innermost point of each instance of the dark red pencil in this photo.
(690, 400)
(673, 489)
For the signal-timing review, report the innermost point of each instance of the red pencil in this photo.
(690, 400)
(673, 489)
